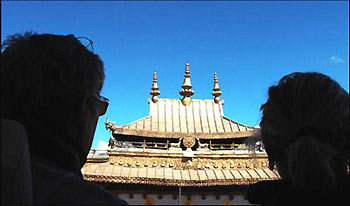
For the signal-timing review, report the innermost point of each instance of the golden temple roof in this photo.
(175, 118)
(171, 170)
(179, 160)
(169, 118)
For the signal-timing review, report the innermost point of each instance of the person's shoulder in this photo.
(281, 192)
(265, 191)
(78, 191)
(46, 178)
(53, 185)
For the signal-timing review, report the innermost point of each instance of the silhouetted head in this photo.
(305, 130)
(51, 84)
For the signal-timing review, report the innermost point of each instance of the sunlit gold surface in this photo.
(172, 169)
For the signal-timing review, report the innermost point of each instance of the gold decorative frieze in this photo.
(195, 162)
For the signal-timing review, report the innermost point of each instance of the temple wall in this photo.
(168, 199)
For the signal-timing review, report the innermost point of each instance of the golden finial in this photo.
(216, 91)
(186, 90)
(155, 90)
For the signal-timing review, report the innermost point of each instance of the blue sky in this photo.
(250, 45)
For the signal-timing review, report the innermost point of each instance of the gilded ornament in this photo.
(186, 90)
(155, 90)
(216, 90)
(189, 141)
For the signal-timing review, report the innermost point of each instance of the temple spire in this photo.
(155, 90)
(216, 90)
(186, 90)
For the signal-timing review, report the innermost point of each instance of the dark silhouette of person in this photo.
(305, 131)
(51, 85)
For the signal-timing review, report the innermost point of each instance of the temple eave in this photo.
(177, 135)
(177, 183)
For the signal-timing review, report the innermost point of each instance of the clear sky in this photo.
(250, 45)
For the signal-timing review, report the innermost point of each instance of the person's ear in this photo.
(89, 109)
(84, 111)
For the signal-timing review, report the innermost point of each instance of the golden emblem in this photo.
(189, 141)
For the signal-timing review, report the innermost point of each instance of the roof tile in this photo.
(202, 175)
(203, 117)
(193, 174)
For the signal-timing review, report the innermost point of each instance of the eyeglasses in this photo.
(103, 103)
(84, 41)
(87, 43)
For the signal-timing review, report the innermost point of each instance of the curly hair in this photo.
(42, 77)
(305, 129)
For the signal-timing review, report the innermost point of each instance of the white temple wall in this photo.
(168, 199)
